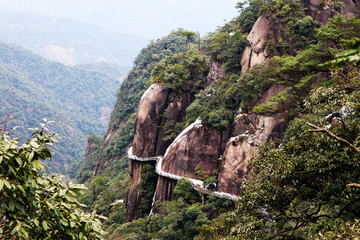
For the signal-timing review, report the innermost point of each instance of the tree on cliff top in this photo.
(189, 36)
(34, 205)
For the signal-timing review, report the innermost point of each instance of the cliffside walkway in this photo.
(198, 185)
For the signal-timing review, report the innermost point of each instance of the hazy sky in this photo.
(148, 18)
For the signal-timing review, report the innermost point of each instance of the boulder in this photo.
(148, 118)
(197, 147)
(254, 52)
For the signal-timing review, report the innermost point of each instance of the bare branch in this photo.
(353, 185)
(339, 139)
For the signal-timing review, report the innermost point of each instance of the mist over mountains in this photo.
(149, 19)
(67, 41)
(77, 98)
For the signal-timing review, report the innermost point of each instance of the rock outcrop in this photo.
(196, 148)
(148, 118)
(254, 52)
(199, 151)
(249, 131)
(321, 11)
(132, 211)
(175, 113)
(165, 187)
(158, 107)
(216, 72)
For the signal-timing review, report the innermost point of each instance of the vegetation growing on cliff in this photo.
(302, 72)
(182, 73)
(178, 219)
(303, 187)
(298, 185)
(121, 125)
(105, 165)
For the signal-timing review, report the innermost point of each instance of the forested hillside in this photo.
(79, 99)
(105, 164)
(68, 41)
(103, 150)
(249, 133)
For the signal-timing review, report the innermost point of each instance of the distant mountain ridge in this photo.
(67, 41)
(79, 98)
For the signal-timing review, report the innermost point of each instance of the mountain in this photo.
(102, 151)
(250, 133)
(79, 99)
(67, 41)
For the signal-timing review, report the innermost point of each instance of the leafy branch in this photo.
(339, 139)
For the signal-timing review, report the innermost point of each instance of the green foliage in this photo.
(34, 205)
(182, 72)
(107, 158)
(350, 55)
(249, 14)
(298, 30)
(172, 129)
(299, 185)
(179, 219)
(130, 92)
(303, 29)
(78, 98)
(301, 72)
(121, 139)
(226, 46)
(210, 180)
(107, 196)
(341, 229)
(185, 190)
(233, 51)
(136, 230)
(121, 127)
(298, 188)
(273, 104)
(200, 172)
(146, 189)
(87, 169)
(189, 35)
(176, 221)
(218, 105)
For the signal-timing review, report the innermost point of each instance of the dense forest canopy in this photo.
(78, 98)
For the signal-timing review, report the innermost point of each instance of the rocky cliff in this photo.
(148, 118)
(250, 130)
(199, 152)
(112, 147)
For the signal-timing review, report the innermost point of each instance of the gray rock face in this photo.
(254, 52)
(249, 131)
